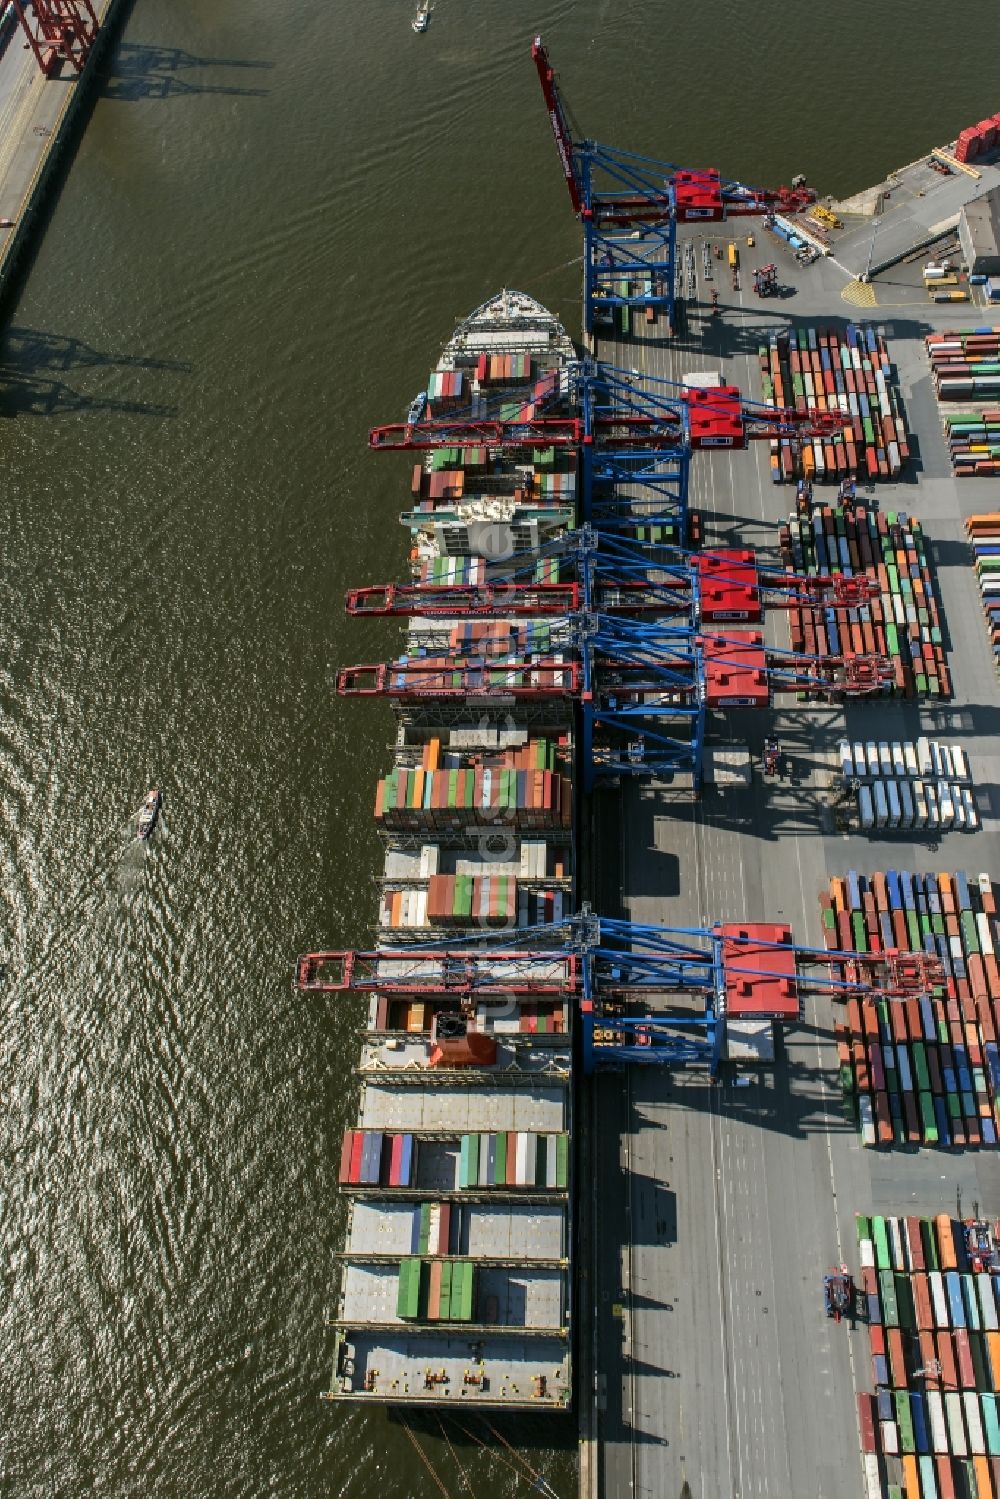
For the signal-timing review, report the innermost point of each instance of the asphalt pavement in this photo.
(720, 1207)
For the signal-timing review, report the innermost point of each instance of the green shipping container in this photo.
(562, 1161)
(883, 1260)
(901, 1400)
(408, 1289)
(887, 1295)
(424, 1237)
(500, 1173)
(446, 1281)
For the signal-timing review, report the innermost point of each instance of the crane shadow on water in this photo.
(135, 71)
(33, 362)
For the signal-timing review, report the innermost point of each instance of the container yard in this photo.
(929, 1292)
(901, 621)
(924, 1070)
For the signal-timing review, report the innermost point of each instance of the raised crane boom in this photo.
(559, 123)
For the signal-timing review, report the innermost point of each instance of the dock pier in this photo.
(38, 115)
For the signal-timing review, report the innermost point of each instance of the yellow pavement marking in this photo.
(859, 294)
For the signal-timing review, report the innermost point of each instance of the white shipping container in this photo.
(550, 1160)
(936, 759)
(890, 1437)
(896, 1255)
(873, 1476)
(945, 804)
(867, 1119)
(521, 1160)
(885, 758)
(892, 792)
(881, 804)
(866, 811)
(422, 907)
(960, 764)
(906, 804)
(871, 752)
(919, 805)
(956, 1426)
(985, 934)
(959, 805)
(974, 1422)
(968, 802)
(530, 1159)
(970, 1301)
(924, 757)
(947, 768)
(860, 767)
(866, 1254)
(939, 1430)
(933, 816)
(846, 759)
(939, 1300)
(987, 1301)
(955, 948)
(898, 761)
(910, 756)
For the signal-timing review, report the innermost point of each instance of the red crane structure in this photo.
(58, 31)
(614, 190)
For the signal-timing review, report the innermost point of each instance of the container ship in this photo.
(455, 1283)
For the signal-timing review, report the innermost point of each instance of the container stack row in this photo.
(849, 373)
(436, 1290)
(974, 443)
(916, 785)
(514, 1160)
(919, 1064)
(984, 534)
(523, 788)
(965, 364)
(932, 1425)
(462, 901)
(369, 1158)
(902, 624)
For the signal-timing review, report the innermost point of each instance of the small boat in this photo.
(422, 19)
(416, 410)
(148, 813)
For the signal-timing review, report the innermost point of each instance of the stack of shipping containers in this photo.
(931, 1429)
(903, 623)
(848, 373)
(923, 1070)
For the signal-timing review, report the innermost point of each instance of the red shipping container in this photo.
(395, 1160)
(915, 1244)
(966, 1372)
(356, 1151)
(945, 1481)
(345, 1155)
(897, 1358)
(866, 1420)
(946, 1358)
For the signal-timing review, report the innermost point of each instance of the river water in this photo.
(274, 217)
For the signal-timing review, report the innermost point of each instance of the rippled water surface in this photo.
(274, 217)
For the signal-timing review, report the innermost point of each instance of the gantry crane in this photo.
(643, 687)
(653, 995)
(614, 193)
(58, 31)
(633, 438)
